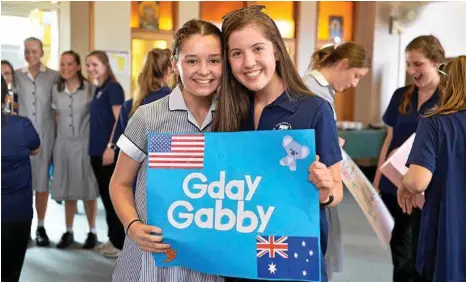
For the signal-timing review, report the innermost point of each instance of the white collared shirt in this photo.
(318, 84)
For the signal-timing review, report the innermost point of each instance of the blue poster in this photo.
(236, 204)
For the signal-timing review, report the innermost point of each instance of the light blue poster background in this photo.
(231, 253)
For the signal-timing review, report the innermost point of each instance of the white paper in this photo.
(368, 199)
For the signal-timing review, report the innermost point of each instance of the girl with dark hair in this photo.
(9, 75)
(19, 141)
(104, 111)
(261, 90)
(73, 178)
(197, 60)
(424, 55)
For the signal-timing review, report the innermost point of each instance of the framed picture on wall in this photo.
(149, 13)
(335, 25)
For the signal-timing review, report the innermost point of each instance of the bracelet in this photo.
(129, 225)
(330, 200)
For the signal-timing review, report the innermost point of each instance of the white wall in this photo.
(445, 20)
(307, 34)
(112, 32)
(188, 10)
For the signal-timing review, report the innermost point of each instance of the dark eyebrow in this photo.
(252, 46)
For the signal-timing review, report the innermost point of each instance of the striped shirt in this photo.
(168, 115)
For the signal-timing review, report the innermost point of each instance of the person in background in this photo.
(336, 68)
(424, 55)
(437, 166)
(104, 112)
(34, 88)
(19, 141)
(12, 99)
(73, 178)
(152, 85)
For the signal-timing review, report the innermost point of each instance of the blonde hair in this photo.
(152, 76)
(356, 55)
(452, 88)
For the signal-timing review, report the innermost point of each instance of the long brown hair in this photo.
(190, 28)
(233, 102)
(431, 48)
(103, 58)
(152, 76)
(61, 81)
(452, 88)
(356, 54)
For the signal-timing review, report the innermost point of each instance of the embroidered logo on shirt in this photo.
(99, 94)
(283, 126)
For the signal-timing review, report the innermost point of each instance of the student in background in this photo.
(152, 85)
(19, 141)
(424, 54)
(34, 88)
(73, 178)
(104, 111)
(336, 68)
(12, 99)
(261, 90)
(437, 166)
(197, 60)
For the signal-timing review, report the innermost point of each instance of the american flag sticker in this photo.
(176, 151)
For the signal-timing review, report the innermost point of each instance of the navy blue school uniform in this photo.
(405, 233)
(440, 146)
(403, 125)
(19, 138)
(102, 119)
(128, 105)
(307, 112)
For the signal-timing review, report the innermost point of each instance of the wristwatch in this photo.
(111, 146)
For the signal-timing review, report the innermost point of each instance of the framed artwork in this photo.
(149, 14)
(335, 24)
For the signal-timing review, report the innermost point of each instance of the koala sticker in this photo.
(294, 151)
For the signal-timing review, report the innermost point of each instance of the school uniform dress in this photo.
(402, 241)
(128, 105)
(102, 120)
(169, 115)
(309, 112)
(73, 177)
(35, 99)
(319, 85)
(440, 146)
(19, 138)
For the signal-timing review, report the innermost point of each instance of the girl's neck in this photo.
(72, 84)
(270, 92)
(101, 80)
(34, 69)
(429, 89)
(197, 105)
(328, 74)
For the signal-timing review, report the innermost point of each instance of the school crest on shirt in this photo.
(282, 126)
